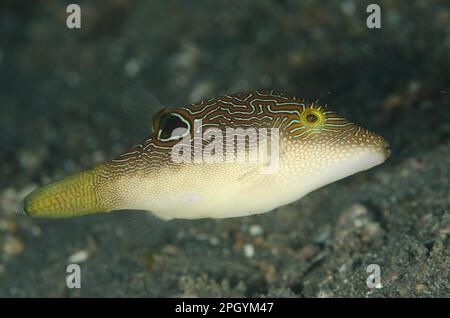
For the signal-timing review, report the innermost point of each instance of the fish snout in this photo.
(380, 145)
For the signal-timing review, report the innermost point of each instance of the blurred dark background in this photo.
(60, 98)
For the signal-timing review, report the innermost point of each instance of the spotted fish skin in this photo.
(316, 147)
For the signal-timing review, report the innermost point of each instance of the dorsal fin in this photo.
(140, 107)
(140, 101)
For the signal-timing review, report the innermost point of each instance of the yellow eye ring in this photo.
(312, 118)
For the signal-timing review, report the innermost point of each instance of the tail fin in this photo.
(71, 196)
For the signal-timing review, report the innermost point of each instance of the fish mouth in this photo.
(379, 147)
(383, 147)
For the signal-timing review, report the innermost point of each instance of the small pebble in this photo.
(200, 91)
(249, 250)
(132, 67)
(72, 79)
(8, 225)
(255, 230)
(78, 257)
(348, 8)
(12, 246)
(214, 240)
(420, 288)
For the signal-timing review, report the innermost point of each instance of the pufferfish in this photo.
(315, 147)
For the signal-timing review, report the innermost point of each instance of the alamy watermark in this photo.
(73, 279)
(373, 20)
(259, 146)
(73, 20)
(374, 279)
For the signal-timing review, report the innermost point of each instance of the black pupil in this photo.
(168, 124)
(311, 118)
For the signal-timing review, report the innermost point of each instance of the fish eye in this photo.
(312, 117)
(170, 126)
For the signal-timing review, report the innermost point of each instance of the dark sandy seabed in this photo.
(60, 97)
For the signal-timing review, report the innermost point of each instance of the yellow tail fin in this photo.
(71, 196)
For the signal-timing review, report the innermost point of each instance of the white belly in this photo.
(230, 195)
